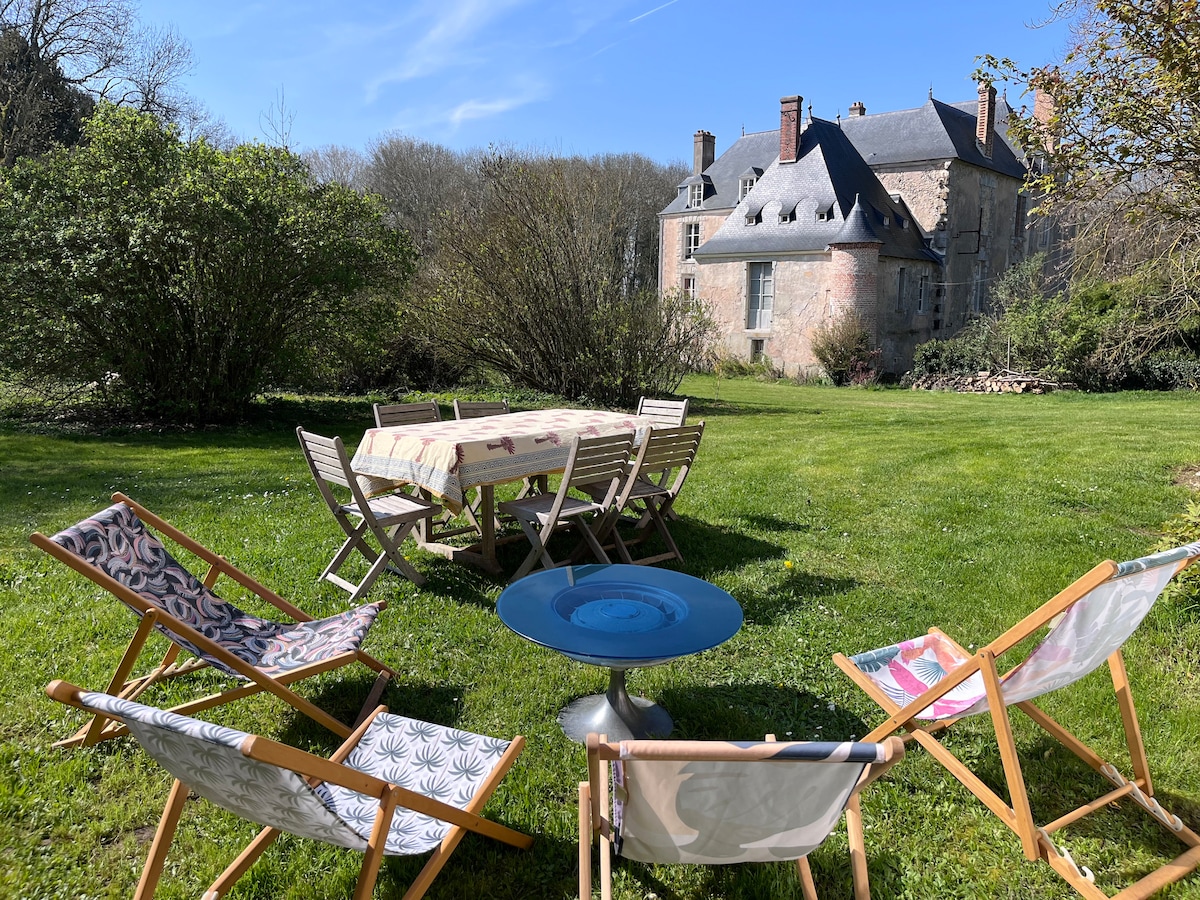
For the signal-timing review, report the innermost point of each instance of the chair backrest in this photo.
(389, 416)
(671, 449)
(1095, 626)
(597, 460)
(209, 760)
(715, 802)
(477, 409)
(127, 559)
(665, 412)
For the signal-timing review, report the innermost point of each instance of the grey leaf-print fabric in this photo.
(444, 763)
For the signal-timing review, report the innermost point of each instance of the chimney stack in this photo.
(704, 151)
(985, 119)
(857, 109)
(789, 128)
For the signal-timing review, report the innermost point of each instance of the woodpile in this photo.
(987, 383)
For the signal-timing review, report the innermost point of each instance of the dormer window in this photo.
(744, 185)
(787, 212)
(826, 214)
(887, 221)
(696, 195)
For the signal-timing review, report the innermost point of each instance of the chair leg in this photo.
(858, 848)
(807, 887)
(585, 841)
(242, 864)
(167, 824)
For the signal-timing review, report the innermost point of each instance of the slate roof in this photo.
(750, 151)
(822, 186)
(936, 130)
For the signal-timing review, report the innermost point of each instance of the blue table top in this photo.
(619, 616)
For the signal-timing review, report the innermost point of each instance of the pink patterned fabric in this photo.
(449, 457)
(117, 543)
(906, 670)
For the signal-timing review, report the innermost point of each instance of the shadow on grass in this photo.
(765, 604)
(707, 408)
(747, 712)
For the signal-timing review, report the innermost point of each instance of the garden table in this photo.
(448, 458)
(622, 617)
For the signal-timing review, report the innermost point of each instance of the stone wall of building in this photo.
(671, 263)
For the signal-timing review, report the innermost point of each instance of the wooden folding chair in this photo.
(931, 679)
(721, 802)
(664, 412)
(392, 415)
(592, 461)
(477, 409)
(115, 550)
(396, 787)
(389, 518)
(662, 450)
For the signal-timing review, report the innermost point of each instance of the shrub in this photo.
(183, 278)
(843, 347)
(1169, 370)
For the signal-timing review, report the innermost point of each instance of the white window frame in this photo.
(688, 285)
(696, 195)
(745, 185)
(760, 303)
(923, 294)
(691, 238)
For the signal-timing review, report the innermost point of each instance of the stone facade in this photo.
(940, 176)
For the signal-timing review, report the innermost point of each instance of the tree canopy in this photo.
(185, 277)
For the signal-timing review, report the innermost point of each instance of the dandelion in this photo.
(788, 564)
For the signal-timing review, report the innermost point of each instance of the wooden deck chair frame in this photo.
(100, 728)
(670, 450)
(666, 413)
(595, 822)
(396, 414)
(1036, 840)
(591, 461)
(335, 771)
(389, 518)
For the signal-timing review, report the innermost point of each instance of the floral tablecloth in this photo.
(449, 457)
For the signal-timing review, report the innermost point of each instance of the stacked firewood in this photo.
(988, 383)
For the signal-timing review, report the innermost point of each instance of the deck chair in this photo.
(597, 460)
(388, 517)
(719, 802)
(392, 415)
(396, 787)
(662, 450)
(664, 412)
(116, 550)
(933, 680)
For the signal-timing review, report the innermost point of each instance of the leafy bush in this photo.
(1170, 370)
(180, 278)
(964, 354)
(1184, 589)
(843, 347)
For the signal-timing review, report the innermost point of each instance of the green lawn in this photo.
(896, 511)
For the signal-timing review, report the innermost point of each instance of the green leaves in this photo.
(181, 276)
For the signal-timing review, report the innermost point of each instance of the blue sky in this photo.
(582, 77)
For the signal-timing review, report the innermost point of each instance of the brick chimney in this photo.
(985, 120)
(857, 109)
(704, 151)
(789, 128)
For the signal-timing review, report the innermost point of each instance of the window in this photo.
(1044, 232)
(691, 239)
(761, 298)
(689, 286)
(756, 350)
(696, 195)
(744, 186)
(825, 215)
(977, 288)
(923, 295)
(901, 288)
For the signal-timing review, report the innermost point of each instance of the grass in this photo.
(895, 511)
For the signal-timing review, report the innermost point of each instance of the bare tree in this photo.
(96, 46)
(338, 165)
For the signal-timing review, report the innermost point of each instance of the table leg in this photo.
(615, 714)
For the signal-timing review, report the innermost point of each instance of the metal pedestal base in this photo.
(615, 714)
